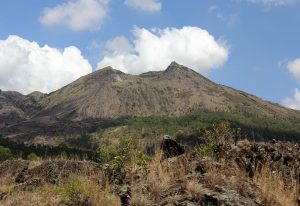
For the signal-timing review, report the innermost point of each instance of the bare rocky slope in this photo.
(15, 107)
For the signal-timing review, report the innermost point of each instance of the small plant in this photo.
(119, 160)
(106, 154)
(72, 190)
(142, 159)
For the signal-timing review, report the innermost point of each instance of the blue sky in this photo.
(255, 45)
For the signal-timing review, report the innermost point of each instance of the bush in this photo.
(5, 154)
(220, 134)
(118, 155)
(125, 152)
(32, 156)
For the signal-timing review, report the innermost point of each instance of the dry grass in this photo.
(73, 190)
(275, 189)
(269, 185)
(7, 183)
(25, 198)
(195, 189)
(160, 175)
(138, 199)
(157, 179)
(174, 199)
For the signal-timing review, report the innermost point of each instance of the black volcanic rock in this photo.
(170, 147)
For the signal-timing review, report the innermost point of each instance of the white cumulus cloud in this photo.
(145, 5)
(274, 2)
(156, 49)
(26, 67)
(76, 14)
(294, 68)
(294, 102)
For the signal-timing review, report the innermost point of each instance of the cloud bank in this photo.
(27, 67)
(76, 14)
(145, 5)
(155, 49)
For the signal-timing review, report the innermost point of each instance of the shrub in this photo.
(106, 155)
(32, 156)
(142, 159)
(5, 154)
(77, 190)
(125, 152)
(119, 155)
(220, 134)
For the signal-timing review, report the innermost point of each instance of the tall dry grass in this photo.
(277, 189)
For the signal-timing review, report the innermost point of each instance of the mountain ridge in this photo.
(111, 94)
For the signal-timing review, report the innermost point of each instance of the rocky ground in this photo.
(242, 174)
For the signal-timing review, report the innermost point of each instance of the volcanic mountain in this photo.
(110, 94)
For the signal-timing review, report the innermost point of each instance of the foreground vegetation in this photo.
(220, 169)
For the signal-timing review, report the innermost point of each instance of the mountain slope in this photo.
(109, 93)
(15, 107)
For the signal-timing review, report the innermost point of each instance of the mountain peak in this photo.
(174, 63)
(174, 67)
(105, 74)
(109, 70)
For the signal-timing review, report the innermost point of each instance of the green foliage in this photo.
(71, 190)
(125, 152)
(32, 156)
(220, 134)
(117, 155)
(119, 160)
(142, 159)
(106, 155)
(5, 154)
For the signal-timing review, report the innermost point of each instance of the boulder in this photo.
(170, 147)
(125, 194)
